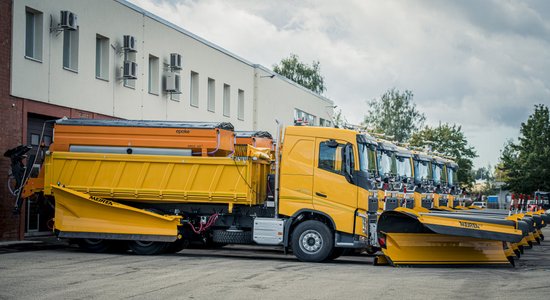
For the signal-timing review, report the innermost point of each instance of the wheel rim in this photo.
(311, 241)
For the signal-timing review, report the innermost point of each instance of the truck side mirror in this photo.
(331, 143)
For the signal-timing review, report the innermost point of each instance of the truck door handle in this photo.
(320, 194)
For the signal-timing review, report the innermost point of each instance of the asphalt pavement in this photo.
(52, 270)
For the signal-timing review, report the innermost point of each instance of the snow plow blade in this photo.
(408, 237)
(80, 215)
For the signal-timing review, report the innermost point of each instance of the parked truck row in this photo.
(154, 186)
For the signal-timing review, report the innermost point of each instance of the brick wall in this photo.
(13, 122)
(11, 129)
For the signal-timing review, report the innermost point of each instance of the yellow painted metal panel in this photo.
(422, 248)
(159, 178)
(79, 212)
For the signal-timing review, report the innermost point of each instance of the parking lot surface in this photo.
(246, 272)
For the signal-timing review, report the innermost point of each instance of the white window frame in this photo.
(300, 114)
(240, 105)
(211, 106)
(102, 57)
(70, 50)
(226, 100)
(33, 34)
(153, 79)
(194, 89)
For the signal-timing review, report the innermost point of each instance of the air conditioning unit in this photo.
(68, 20)
(175, 61)
(130, 44)
(172, 83)
(129, 70)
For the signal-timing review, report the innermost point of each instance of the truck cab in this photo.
(326, 178)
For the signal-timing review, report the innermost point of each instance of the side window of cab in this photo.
(330, 156)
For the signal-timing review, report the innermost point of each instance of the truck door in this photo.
(332, 193)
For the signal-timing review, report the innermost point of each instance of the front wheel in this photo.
(312, 241)
(148, 248)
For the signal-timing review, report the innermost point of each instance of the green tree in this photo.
(509, 167)
(339, 120)
(449, 140)
(526, 163)
(308, 76)
(484, 173)
(394, 114)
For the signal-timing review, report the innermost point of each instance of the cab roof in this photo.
(329, 133)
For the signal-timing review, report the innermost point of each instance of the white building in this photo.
(112, 59)
(84, 69)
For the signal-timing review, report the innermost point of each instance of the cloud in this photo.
(482, 64)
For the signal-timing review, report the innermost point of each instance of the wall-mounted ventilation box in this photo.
(172, 83)
(175, 61)
(129, 44)
(68, 21)
(129, 70)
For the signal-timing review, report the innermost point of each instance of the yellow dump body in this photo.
(153, 178)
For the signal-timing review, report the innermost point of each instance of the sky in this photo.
(479, 64)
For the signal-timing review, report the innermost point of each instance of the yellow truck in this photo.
(152, 186)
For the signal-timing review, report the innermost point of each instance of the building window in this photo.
(324, 123)
(240, 108)
(211, 95)
(33, 34)
(303, 118)
(101, 57)
(153, 81)
(70, 50)
(226, 100)
(194, 89)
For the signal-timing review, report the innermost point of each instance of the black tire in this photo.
(312, 241)
(95, 245)
(223, 237)
(372, 250)
(336, 252)
(177, 246)
(210, 244)
(148, 248)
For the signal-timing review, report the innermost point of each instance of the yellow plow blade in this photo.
(80, 215)
(409, 237)
(439, 249)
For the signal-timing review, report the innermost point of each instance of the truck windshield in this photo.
(420, 170)
(384, 162)
(450, 178)
(404, 167)
(437, 168)
(366, 157)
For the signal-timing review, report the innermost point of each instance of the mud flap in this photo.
(80, 215)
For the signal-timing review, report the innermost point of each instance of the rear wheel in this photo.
(312, 241)
(95, 245)
(148, 248)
